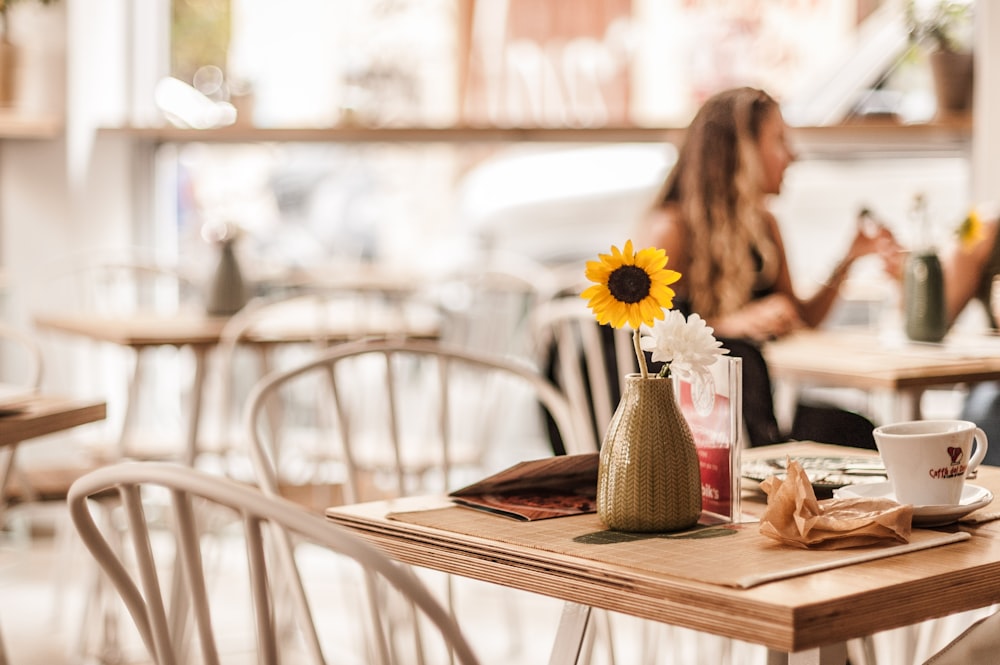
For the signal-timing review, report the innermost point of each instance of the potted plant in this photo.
(8, 53)
(944, 29)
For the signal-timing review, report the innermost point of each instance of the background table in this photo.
(139, 332)
(880, 364)
(40, 416)
(810, 616)
(47, 414)
(201, 334)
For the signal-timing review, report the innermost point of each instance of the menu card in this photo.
(538, 489)
(713, 409)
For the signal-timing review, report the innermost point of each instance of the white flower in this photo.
(687, 347)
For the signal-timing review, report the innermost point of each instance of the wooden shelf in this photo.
(19, 125)
(861, 139)
(874, 138)
(353, 134)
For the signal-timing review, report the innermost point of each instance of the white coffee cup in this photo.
(927, 461)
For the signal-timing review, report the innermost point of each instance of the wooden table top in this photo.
(192, 328)
(793, 614)
(138, 330)
(47, 414)
(868, 360)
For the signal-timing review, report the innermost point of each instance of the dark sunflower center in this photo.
(629, 284)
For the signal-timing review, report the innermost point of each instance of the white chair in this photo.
(587, 361)
(396, 417)
(285, 330)
(137, 576)
(489, 301)
(978, 644)
(21, 368)
(21, 359)
(22, 379)
(125, 283)
(403, 416)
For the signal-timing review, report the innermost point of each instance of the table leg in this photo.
(833, 654)
(6, 471)
(786, 397)
(194, 409)
(131, 404)
(570, 636)
(3, 651)
(908, 406)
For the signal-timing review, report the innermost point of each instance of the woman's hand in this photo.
(764, 319)
(877, 239)
(874, 237)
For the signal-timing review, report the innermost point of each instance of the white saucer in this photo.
(973, 498)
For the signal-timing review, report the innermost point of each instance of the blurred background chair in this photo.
(21, 367)
(389, 418)
(151, 389)
(34, 478)
(583, 359)
(212, 627)
(489, 301)
(21, 364)
(400, 417)
(288, 328)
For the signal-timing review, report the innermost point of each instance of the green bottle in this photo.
(923, 284)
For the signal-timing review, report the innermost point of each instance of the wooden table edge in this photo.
(33, 422)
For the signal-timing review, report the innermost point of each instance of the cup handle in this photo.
(982, 445)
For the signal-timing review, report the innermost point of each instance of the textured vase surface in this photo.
(648, 477)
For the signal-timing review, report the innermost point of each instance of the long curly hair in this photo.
(717, 184)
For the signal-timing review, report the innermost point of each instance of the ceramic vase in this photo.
(648, 476)
(923, 297)
(953, 81)
(227, 293)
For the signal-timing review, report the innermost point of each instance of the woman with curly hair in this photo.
(711, 218)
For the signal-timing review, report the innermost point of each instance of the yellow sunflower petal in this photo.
(640, 314)
(666, 277)
(651, 259)
(663, 295)
(617, 315)
(653, 311)
(628, 256)
(597, 272)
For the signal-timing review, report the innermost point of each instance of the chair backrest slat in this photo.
(192, 568)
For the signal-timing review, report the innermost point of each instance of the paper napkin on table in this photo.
(794, 516)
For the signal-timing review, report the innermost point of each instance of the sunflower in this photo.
(631, 287)
(970, 230)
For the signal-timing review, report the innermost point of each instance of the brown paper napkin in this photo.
(794, 516)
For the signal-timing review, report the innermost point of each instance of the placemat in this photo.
(733, 555)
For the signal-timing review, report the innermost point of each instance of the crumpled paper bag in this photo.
(794, 516)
